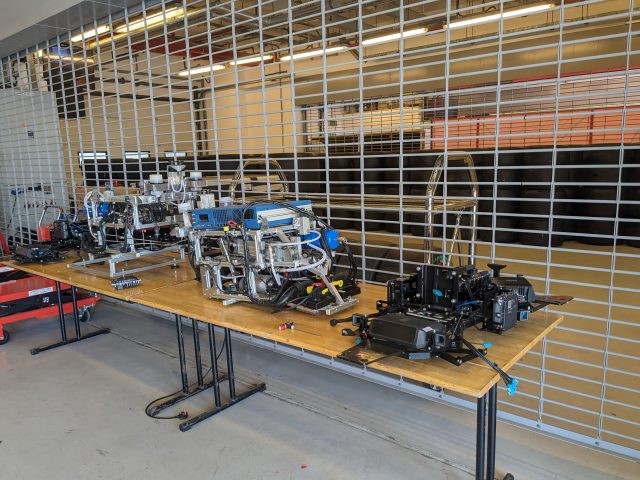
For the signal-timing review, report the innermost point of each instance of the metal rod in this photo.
(63, 327)
(214, 364)
(181, 397)
(196, 347)
(181, 356)
(37, 350)
(188, 424)
(76, 315)
(491, 432)
(480, 434)
(232, 381)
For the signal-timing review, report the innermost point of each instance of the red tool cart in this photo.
(23, 296)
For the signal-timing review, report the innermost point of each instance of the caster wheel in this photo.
(86, 316)
(5, 337)
(508, 476)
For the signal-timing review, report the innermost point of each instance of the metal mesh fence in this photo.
(356, 101)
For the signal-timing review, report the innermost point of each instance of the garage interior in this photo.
(520, 118)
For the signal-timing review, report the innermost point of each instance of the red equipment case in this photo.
(24, 296)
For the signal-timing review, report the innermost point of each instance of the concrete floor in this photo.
(78, 412)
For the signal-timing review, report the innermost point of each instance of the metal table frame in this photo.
(217, 377)
(64, 340)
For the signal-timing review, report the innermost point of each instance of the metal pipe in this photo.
(63, 327)
(76, 315)
(491, 432)
(196, 347)
(232, 384)
(181, 357)
(214, 364)
(480, 437)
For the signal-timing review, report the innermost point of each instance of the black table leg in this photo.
(188, 391)
(76, 314)
(491, 432)
(232, 379)
(480, 437)
(196, 348)
(63, 327)
(234, 397)
(214, 364)
(181, 355)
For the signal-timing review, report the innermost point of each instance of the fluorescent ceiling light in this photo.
(199, 70)
(242, 61)
(90, 33)
(394, 36)
(101, 41)
(176, 154)
(496, 16)
(151, 20)
(136, 155)
(67, 58)
(312, 53)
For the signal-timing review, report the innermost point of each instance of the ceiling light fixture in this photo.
(66, 58)
(90, 33)
(395, 36)
(151, 20)
(496, 16)
(200, 70)
(312, 53)
(256, 59)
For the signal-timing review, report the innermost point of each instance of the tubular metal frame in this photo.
(200, 386)
(64, 340)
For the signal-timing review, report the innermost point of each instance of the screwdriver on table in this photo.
(292, 326)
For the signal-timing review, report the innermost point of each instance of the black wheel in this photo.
(508, 476)
(5, 337)
(86, 315)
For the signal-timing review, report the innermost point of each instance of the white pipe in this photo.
(314, 265)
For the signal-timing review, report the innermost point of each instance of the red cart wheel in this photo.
(5, 337)
(86, 315)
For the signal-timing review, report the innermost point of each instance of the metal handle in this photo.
(237, 176)
(45, 211)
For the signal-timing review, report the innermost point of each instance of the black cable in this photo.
(183, 414)
(505, 377)
(353, 270)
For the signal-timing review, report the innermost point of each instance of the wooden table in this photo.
(176, 292)
(151, 279)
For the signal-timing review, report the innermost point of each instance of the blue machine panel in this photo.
(217, 218)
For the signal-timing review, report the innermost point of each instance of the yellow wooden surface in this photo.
(313, 333)
(151, 279)
(176, 292)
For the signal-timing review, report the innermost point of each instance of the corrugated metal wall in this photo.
(356, 100)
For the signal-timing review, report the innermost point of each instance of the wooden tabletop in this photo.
(175, 291)
(151, 279)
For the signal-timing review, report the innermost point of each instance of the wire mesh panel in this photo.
(357, 103)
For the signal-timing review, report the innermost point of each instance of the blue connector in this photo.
(358, 341)
(487, 344)
(104, 209)
(512, 387)
(331, 236)
(437, 293)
